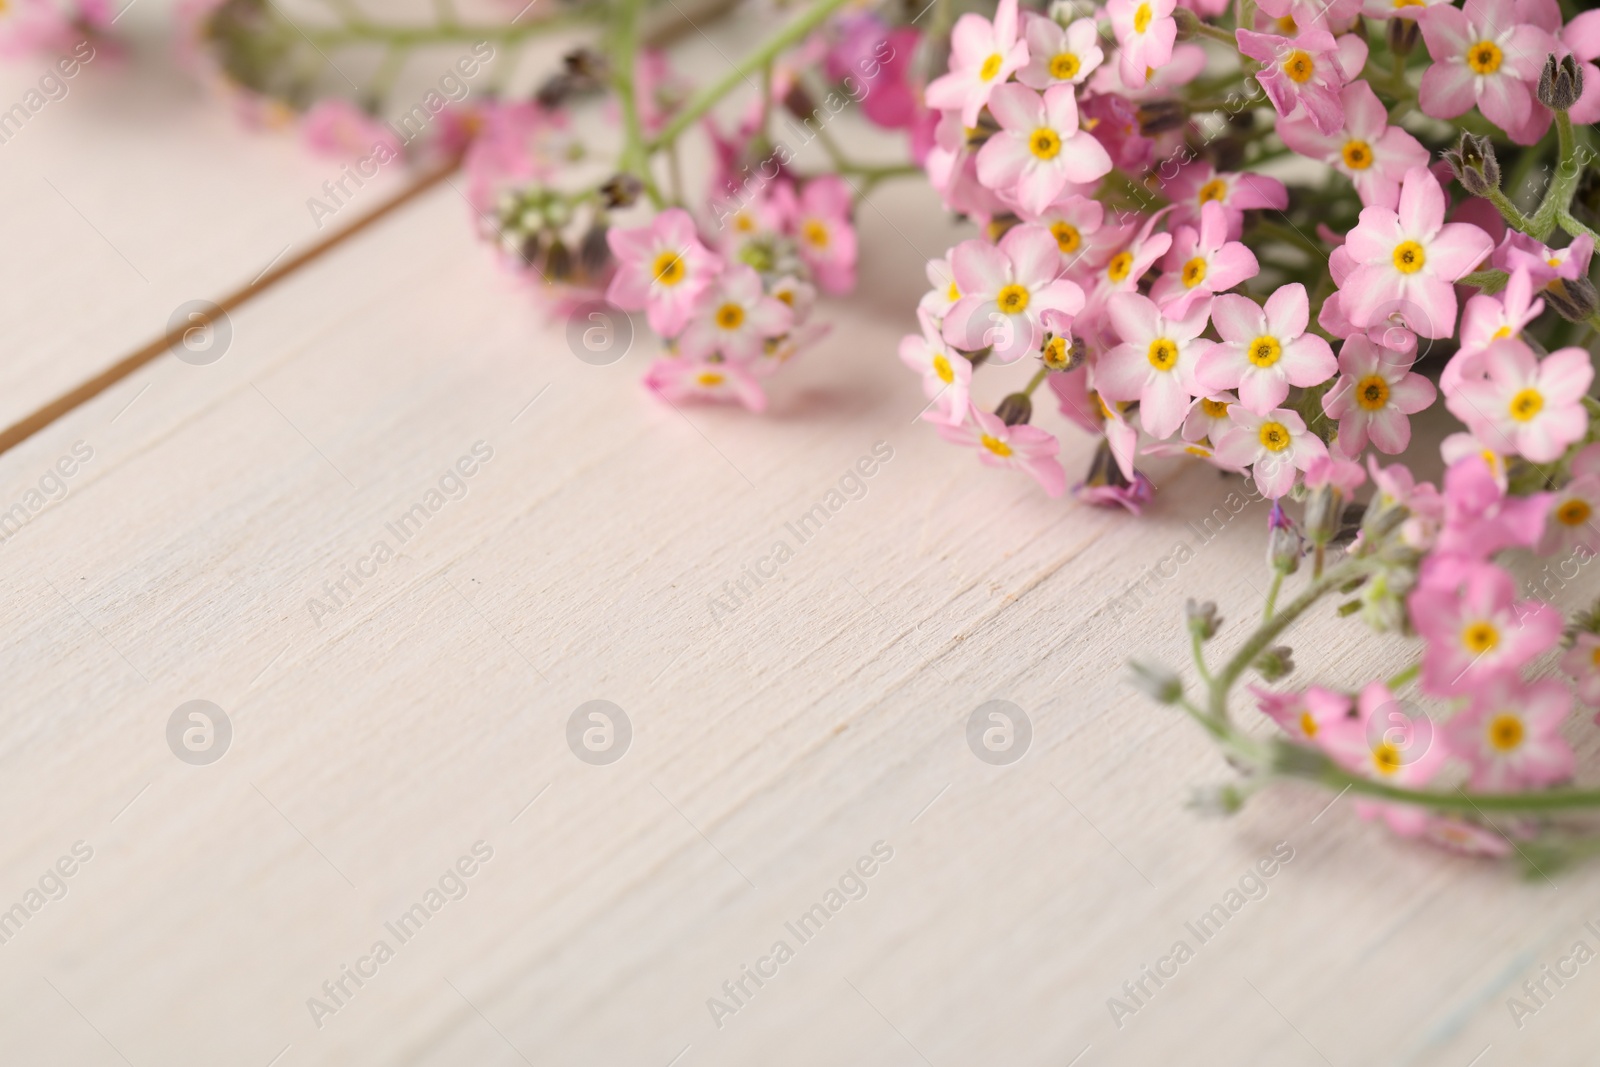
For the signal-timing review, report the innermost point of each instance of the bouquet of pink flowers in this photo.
(1261, 233)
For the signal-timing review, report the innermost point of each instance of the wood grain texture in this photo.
(773, 745)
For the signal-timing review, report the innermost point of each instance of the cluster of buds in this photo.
(564, 241)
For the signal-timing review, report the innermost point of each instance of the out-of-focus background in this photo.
(400, 829)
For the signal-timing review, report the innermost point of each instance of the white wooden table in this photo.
(421, 716)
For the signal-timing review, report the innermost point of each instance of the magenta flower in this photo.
(679, 379)
(983, 55)
(1265, 350)
(662, 269)
(820, 222)
(1476, 629)
(1304, 71)
(1275, 444)
(1004, 290)
(1202, 262)
(1484, 56)
(1023, 447)
(1375, 392)
(734, 318)
(1366, 149)
(1582, 663)
(1059, 55)
(1155, 362)
(1145, 32)
(1039, 150)
(1511, 734)
(1524, 405)
(1408, 260)
(946, 375)
(1198, 184)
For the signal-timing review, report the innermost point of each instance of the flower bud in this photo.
(1204, 622)
(1560, 83)
(621, 190)
(1160, 116)
(1474, 164)
(1014, 409)
(1573, 298)
(1284, 547)
(1188, 23)
(594, 252)
(798, 102)
(1156, 682)
(1403, 34)
(1275, 662)
(1216, 800)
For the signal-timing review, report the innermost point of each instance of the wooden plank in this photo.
(772, 747)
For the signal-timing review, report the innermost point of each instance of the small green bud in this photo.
(1473, 163)
(1275, 662)
(1204, 622)
(1015, 409)
(1156, 682)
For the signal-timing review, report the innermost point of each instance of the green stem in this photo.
(768, 50)
(1508, 210)
(1558, 198)
(1038, 377)
(1574, 227)
(1217, 34)
(366, 32)
(1490, 281)
(1400, 678)
(1272, 594)
(625, 48)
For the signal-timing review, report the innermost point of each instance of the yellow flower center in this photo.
(1409, 257)
(1141, 18)
(1274, 436)
(730, 316)
(1044, 143)
(1505, 731)
(786, 295)
(1067, 237)
(815, 233)
(1163, 354)
(1055, 353)
(1308, 725)
(1357, 155)
(1594, 657)
(1480, 637)
(1264, 351)
(1574, 513)
(1064, 66)
(1502, 333)
(1299, 66)
(1121, 263)
(953, 293)
(1215, 408)
(1288, 27)
(743, 223)
(1013, 300)
(991, 67)
(1372, 392)
(995, 445)
(942, 368)
(709, 378)
(1484, 57)
(1194, 272)
(1386, 758)
(669, 268)
(1215, 189)
(1526, 404)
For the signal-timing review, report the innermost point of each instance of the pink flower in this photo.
(1479, 518)
(820, 220)
(946, 375)
(1385, 740)
(1303, 716)
(1276, 444)
(983, 54)
(1073, 221)
(49, 25)
(1527, 406)
(734, 318)
(1004, 290)
(1582, 38)
(1343, 476)
(1410, 259)
(1375, 392)
(1570, 523)
(517, 143)
(1304, 71)
(1582, 662)
(337, 127)
(1039, 149)
(682, 379)
(1198, 184)
(1398, 9)
(1124, 269)
(1201, 263)
(1057, 55)
(1145, 32)
(937, 302)
(1132, 496)
(1476, 629)
(1511, 734)
(1483, 56)
(1155, 362)
(662, 268)
(1023, 447)
(1265, 350)
(1372, 154)
(1456, 834)
(1208, 417)
(1487, 319)
(1548, 269)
